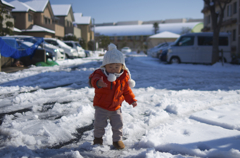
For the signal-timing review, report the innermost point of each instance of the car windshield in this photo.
(23, 45)
(69, 44)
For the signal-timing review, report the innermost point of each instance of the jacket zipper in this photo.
(111, 85)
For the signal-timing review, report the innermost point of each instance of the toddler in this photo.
(112, 82)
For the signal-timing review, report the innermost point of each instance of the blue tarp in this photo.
(9, 51)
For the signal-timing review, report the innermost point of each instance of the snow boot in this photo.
(97, 141)
(119, 145)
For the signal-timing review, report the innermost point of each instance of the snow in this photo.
(165, 34)
(183, 111)
(8, 4)
(61, 9)
(36, 28)
(145, 29)
(38, 5)
(79, 19)
(20, 6)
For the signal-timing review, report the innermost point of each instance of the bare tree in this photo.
(217, 18)
(4, 16)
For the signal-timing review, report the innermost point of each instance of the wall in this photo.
(38, 34)
(59, 31)
(6, 61)
(20, 20)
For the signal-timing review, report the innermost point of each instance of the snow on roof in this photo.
(16, 30)
(20, 6)
(38, 5)
(36, 28)
(8, 4)
(145, 30)
(61, 9)
(165, 34)
(79, 19)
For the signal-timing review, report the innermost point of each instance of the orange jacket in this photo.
(112, 96)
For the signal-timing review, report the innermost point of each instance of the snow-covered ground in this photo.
(183, 111)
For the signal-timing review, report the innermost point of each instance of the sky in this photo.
(132, 10)
(183, 111)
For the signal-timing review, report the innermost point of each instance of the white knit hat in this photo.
(113, 55)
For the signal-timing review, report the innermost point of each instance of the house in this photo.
(8, 7)
(230, 23)
(162, 37)
(85, 24)
(64, 16)
(36, 18)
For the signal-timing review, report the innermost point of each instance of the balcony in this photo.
(229, 21)
(73, 30)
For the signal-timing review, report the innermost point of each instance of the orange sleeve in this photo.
(128, 94)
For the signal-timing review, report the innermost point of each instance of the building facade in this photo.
(86, 25)
(36, 18)
(230, 23)
(135, 34)
(64, 16)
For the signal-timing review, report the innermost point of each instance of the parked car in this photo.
(88, 53)
(126, 50)
(163, 55)
(156, 51)
(56, 53)
(69, 52)
(197, 48)
(75, 45)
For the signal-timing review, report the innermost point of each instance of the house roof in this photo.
(61, 9)
(38, 5)
(144, 30)
(7, 4)
(165, 34)
(79, 19)
(16, 30)
(36, 28)
(20, 6)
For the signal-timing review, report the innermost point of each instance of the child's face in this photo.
(114, 67)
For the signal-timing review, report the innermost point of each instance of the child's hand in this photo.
(101, 83)
(134, 104)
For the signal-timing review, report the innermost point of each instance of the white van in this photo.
(197, 48)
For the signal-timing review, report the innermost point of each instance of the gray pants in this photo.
(115, 117)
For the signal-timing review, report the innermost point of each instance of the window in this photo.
(137, 38)
(207, 19)
(208, 41)
(46, 20)
(29, 17)
(186, 41)
(229, 10)
(69, 44)
(129, 37)
(120, 38)
(223, 41)
(145, 38)
(235, 8)
(51, 42)
(234, 35)
(205, 41)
